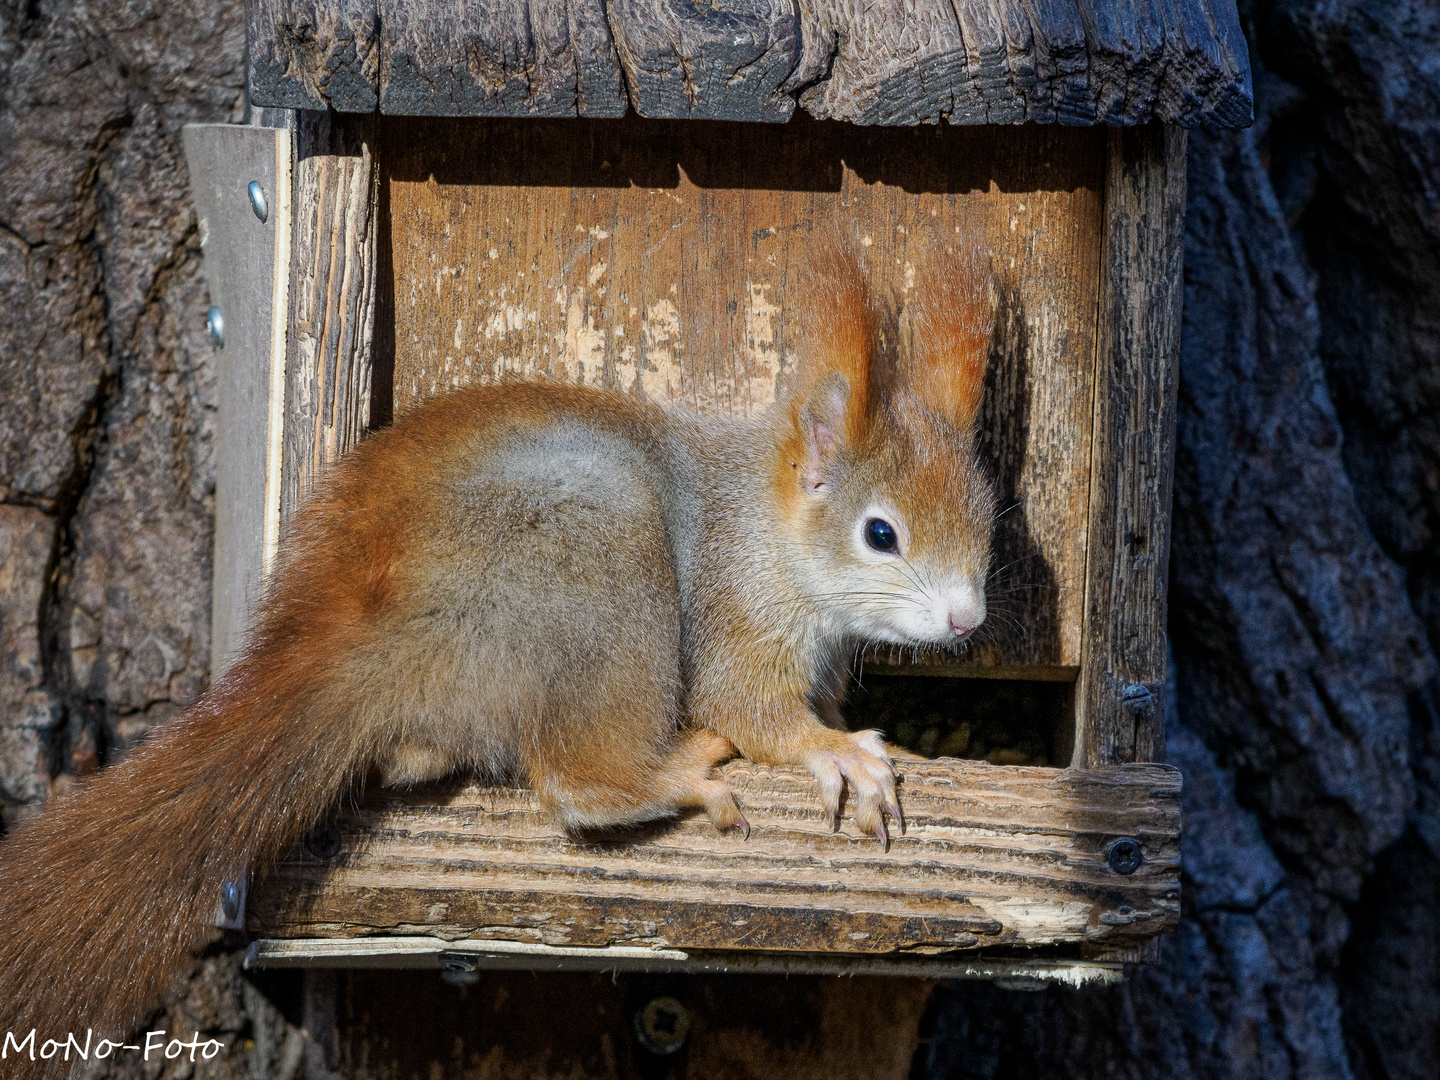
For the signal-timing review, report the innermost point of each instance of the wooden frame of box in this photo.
(399, 255)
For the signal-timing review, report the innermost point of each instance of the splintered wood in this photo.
(664, 259)
(992, 856)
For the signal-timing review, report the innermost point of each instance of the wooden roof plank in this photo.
(549, 58)
(1062, 61)
(880, 62)
(718, 61)
(313, 54)
(885, 67)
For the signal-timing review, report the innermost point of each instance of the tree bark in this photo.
(106, 408)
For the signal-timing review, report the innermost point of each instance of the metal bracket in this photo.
(235, 172)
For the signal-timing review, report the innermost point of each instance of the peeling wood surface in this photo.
(663, 258)
(329, 360)
(1121, 689)
(890, 62)
(993, 856)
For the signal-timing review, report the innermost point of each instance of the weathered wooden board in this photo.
(890, 62)
(992, 856)
(725, 61)
(331, 317)
(1121, 689)
(246, 267)
(313, 54)
(662, 258)
(544, 58)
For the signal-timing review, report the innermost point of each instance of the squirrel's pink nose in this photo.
(961, 630)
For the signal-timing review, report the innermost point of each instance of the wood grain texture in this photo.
(246, 262)
(663, 259)
(1121, 689)
(898, 62)
(548, 58)
(313, 54)
(992, 856)
(716, 61)
(329, 358)
(887, 62)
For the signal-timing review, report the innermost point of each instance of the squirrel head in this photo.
(879, 486)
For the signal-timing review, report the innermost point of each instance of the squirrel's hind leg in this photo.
(589, 791)
(686, 778)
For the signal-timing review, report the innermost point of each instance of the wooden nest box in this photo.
(620, 193)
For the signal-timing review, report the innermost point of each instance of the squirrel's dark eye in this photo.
(880, 535)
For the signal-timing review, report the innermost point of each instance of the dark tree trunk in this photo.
(1306, 574)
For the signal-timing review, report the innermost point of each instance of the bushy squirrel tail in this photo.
(106, 896)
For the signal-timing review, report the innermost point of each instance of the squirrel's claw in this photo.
(893, 812)
(860, 761)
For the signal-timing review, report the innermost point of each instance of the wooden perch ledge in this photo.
(888, 62)
(992, 857)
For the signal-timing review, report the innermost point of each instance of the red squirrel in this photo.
(601, 596)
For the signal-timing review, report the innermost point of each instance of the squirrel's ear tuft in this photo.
(951, 313)
(837, 335)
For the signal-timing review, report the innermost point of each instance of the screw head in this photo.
(323, 843)
(457, 969)
(1124, 855)
(662, 1026)
(1135, 696)
(215, 325)
(230, 900)
(258, 202)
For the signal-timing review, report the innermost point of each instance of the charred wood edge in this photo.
(463, 862)
(424, 952)
(964, 61)
(329, 360)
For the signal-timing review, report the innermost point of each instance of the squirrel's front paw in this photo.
(859, 758)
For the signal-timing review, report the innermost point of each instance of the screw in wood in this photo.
(1124, 855)
(458, 969)
(323, 843)
(258, 202)
(662, 1026)
(1136, 696)
(215, 325)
